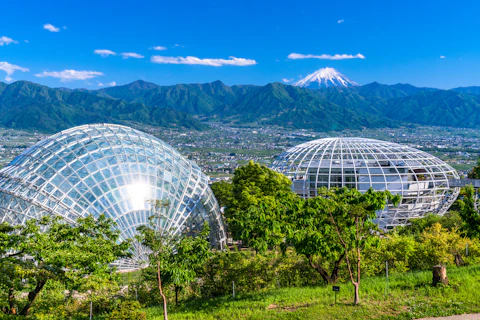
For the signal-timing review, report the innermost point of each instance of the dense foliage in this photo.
(51, 250)
(469, 212)
(52, 270)
(371, 105)
(475, 172)
(26, 105)
(263, 212)
(173, 259)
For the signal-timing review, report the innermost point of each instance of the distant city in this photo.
(221, 150)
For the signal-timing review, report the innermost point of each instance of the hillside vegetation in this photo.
(26, 105)
(336, 108)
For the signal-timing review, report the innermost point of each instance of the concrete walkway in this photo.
(475, 316)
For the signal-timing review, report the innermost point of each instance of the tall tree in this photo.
(50, 249)
(174, 259)
(190, 254)
(256, 204)
(469, 212)
(311, 234)
(222, 191)
(159, 241)
(351, 215)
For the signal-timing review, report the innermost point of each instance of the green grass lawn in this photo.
(411, 296)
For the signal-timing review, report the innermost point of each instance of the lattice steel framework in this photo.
(419, 177)
(112, 170)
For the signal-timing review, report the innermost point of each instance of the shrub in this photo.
(253, 272)
(127, 310)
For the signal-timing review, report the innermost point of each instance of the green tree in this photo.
(311, 234)
(222, 191)
(440, 246)
(256, 205)
(398, 250)
(450, 220)
(159, 241)
(190, 254)
(469, 212)
(475, 173)
(128, 310)
(51, 249)
(173, 259)
(351, 216)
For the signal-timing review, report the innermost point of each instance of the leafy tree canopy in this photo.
(451, 220)
(475, 173)
(469, 212)
(51, 249)
(352, 217)
(256, 204)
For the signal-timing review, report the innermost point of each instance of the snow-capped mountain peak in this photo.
(323, 78)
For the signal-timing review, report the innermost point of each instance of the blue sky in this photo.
(425, 43)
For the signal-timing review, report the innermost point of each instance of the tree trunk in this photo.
(336, 268)
(459, 260)
(165, 316)
(32, 295)
(333, 277)
(439, 275)
(356, 299)
(359, 270)
(11, 301)
(177, 289)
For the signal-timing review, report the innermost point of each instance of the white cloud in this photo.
(104, 52)
(110, 84)
(51, 27)
(442, 57)
(295, 56)
(6, 41)
(159, 48)
(231, 61)
(70, 75)
(127, 55)
(287, 80)
(340, 21)
(10, 69)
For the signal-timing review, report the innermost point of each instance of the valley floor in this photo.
(410, 296)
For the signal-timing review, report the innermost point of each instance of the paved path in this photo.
(475, 316)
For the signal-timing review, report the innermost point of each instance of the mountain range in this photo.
(30, 106)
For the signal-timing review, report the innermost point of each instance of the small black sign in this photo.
(335, 288)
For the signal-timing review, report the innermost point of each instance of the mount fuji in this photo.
(324, 78)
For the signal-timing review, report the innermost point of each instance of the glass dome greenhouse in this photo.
(112, 170)
(421, 179)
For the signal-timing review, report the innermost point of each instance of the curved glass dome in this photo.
(419, 177)
(112, 170)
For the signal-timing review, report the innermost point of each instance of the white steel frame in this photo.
(421, 179)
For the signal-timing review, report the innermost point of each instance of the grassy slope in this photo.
(411, 296)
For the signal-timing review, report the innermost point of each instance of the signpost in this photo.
(386, 280)
(336, 289)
